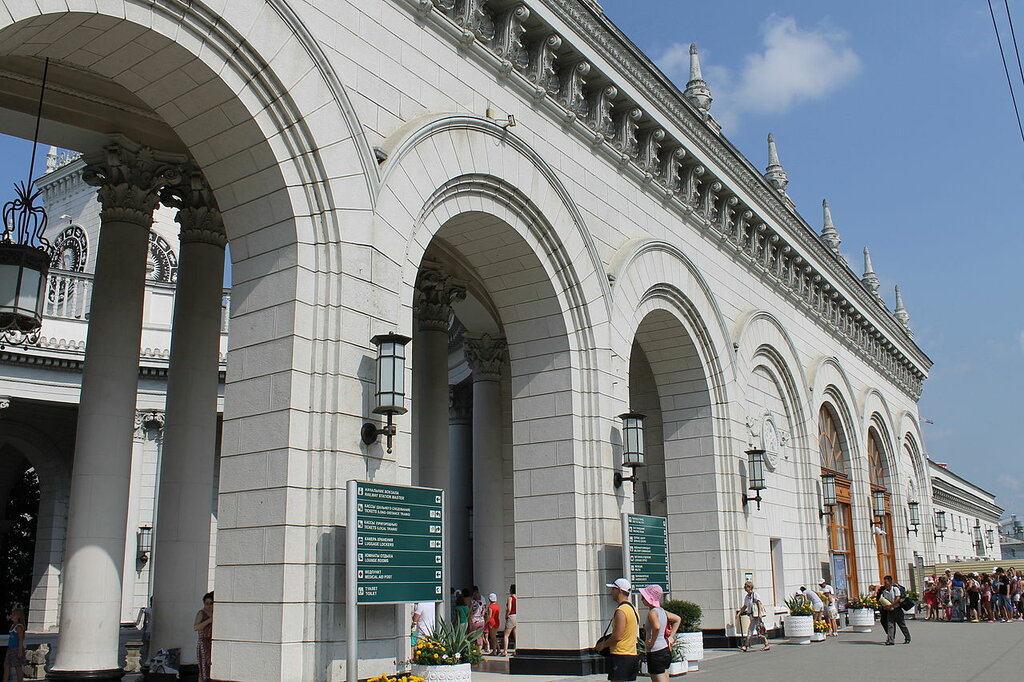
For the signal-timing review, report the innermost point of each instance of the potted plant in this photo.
(862, 613)
(447, 654)
(678, 666)
(820, 631)
(800, 623)
(689, 637)
(916, 598)
(400, 677)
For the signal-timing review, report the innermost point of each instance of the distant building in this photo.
(970, 514)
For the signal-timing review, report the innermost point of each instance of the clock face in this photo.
(70, 249)
(162, 264)
(770, 443)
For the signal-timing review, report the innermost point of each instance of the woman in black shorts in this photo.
(661, 628)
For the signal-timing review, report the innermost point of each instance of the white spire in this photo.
(869, 278)
(902, 316)
(829, 233)
(697, 91)
(51, 159)
(775, 174)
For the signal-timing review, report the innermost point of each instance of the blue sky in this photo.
(899, 114)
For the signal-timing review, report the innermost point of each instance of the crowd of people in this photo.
(470, 609)
(974, 597)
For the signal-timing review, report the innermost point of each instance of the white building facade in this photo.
(564, 235)
(970, 517)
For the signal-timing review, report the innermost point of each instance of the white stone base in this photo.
(444, 673)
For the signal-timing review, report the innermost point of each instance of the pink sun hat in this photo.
(653, 594)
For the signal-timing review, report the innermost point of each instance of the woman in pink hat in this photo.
(661, 629)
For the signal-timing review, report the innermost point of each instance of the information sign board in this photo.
(399, 543)
(645, 550)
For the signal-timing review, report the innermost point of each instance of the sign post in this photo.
(394, 552)
(645, 550)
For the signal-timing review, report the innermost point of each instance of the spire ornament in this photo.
(869, 278)
(829, 233)
(902, 316)
(697, 91)
(775, 174)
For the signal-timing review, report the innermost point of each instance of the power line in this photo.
(1009, 81)
(1013, 34)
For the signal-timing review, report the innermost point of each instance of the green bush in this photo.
(689, 612)
(448, 644)
(799, 606)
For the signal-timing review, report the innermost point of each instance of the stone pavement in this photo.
(940, 651)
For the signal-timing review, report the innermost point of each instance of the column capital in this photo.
(436, 290)
(198, 216)
(460, 406)
(146, 420)
(129, 178)
(486, 355)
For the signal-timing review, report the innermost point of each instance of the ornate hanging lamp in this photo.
(24, 255)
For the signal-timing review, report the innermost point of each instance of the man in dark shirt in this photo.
(890, 598)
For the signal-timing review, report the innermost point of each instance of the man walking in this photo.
(890, 598)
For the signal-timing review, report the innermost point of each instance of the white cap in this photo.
(620, 583)
(492, 597)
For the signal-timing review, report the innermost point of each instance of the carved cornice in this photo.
(198, 215)
(820, 281)
(129, 177)
(969, 505)
(486, 356)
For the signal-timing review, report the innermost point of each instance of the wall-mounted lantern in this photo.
(755, 476)
(990, 538)
(828, 495)
(940, 525)
(915, 516)
(632, 445)
(390, 394)
(144, 544)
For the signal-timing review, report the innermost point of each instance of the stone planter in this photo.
(677, 668)
(444, 673)
(818, 637)
(862, 620)
(693, 648)
(799, 629)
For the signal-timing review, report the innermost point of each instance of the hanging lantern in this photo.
(828, 490)
(878, 503)
(990, 537)
(915, 513)
(632, 439)
(390, 392)
(24, 256)
(940, 524)
(977, 533)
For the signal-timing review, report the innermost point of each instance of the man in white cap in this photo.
(831, 610)
(623, 659)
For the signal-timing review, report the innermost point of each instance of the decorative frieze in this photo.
(570, 88)
(541, 71)
(509, 41)
(600, 120)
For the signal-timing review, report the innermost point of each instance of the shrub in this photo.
(448, 644)
(799, 606)
(687, 611)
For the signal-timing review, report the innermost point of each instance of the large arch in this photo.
(247, 93)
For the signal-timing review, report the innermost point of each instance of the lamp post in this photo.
(24, 255)
(632, 445)
(828, 495)
(390, 393)
(755, 476)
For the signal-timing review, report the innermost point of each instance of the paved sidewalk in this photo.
(958, 652)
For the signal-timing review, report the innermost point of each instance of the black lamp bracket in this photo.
(371, 432)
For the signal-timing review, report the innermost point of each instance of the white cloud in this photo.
(795, 65)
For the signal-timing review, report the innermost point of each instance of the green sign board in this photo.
(645, 550)
(399, 543)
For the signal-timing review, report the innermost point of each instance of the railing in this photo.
(69, 296)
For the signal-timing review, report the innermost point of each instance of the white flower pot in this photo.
(818, 637)
(862, 620)
(678, 668)
(799, 629)
(693, 648)
(462, 672)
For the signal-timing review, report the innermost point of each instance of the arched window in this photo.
(878, 475)
(878, 469)
(831, 442)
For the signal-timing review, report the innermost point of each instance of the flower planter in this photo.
(799, 629)
(862, 620)
(462, 672)
(818, 637)
(693, 648)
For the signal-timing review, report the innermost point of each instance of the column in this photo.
(460, 433)
(435, 292)
(128, 177)
(487, 356)
(181, 553)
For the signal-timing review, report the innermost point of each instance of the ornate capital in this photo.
(460, 405)
(148, 420)
(435, 293)
(198, 215)
(129, 178)
(486, 355)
